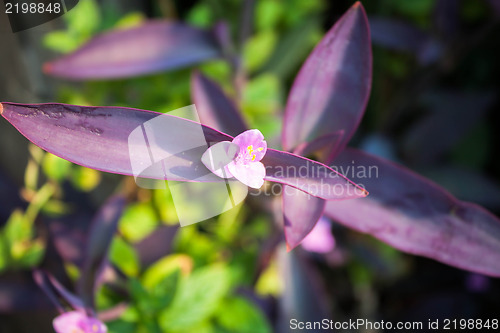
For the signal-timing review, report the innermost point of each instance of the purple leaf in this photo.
(325, 147)
(44, 283)
(473, 186)
(396, 35)
(19, 294)
(54, 289)
(447, 18)
(156, 245)
(98, 138)
(304, 297)
(151, 47)
(69, 236)
(331, 91)
(301, 212)
(416, 216)
(309, 176)
(425, 142)
(402, 36)
(99, 239)
(214, 107)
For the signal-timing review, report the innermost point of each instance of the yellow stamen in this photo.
(251, 151)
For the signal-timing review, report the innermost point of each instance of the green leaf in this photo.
(56, 208)
(17, 228)
(258, 49)
(163, 293)
(414, 7)
(131, 20)
(200, 15)
(164, 267)
(196, 299)
(33, 254)
(262, 95)
(302, 10)
(61, 41)
(138, 221)
(165, 206)
(238, 315)
(19, 245)
(4, 255)
(293, 48)
(124, 257)
(268, 13)
(261, 100)
(38, 201)
(55, 167)
(85, 179)
(270, 281)
(121, 326)
(84, 19)
(204, 327)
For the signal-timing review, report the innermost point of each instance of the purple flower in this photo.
(78, 322)
(239, 159)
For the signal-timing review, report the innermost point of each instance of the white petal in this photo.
(219, 156)
(251, 174)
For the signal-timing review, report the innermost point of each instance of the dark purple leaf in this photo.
(44, 283)
(402, 36)
(101, 233)
(54, 289)
(447, 18)
(425, 142)
(156, 245)
(100, 138)
(304, 297)
(396, 35)
(331, 91)
(214, 107)
(69, 236)
(301, 212)
(19, 293)
(223, 36)
(416, 216)
(309, 176)
(472, 186)
(325, 147)
(151, 47)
